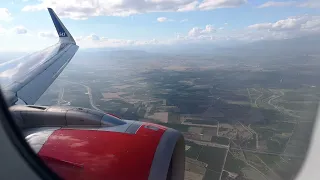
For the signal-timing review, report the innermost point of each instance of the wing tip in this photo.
(63, 33)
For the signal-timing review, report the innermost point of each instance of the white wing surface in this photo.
(27, 78)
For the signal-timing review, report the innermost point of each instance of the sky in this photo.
(25, 25)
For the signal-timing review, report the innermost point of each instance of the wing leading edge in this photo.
(27, 78)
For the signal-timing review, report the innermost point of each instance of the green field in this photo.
(211, 175)
(220, 140)
(276, 145)
(289, 170)
(179, 127)
(206, 122)
(233, 165)
(250, 143)
(224, 175)
(263, 133)
(269, 159)
(213, 156)
(193, 151)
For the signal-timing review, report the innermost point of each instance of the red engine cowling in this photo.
(101, 146)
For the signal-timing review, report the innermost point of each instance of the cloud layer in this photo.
(162, 19)
(20, 30)
(215, 4)
(5, 15)
(201, 33)
(305, 4)
(277, 4)
(288, 28)
(95, 41)
(47, 34)
(82, 9)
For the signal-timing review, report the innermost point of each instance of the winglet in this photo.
(63, 33)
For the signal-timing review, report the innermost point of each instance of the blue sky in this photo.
(25, 25)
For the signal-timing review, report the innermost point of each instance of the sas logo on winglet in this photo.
(62, 34)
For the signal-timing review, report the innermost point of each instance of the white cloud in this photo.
(194, 32)
(305, 4)
(288, 28)
(189, 7)
(291, 23)
(48, 34)
(20, 30)
(2, 30)
(201, 33)
(313, 24)
(209, 29)
(311, 4)
(5, 15)
(184, 20)
(13, 31)
(215, 4)
(78, 38)
(93, 37)
(277, 4)
(95, 41)
(162, 19)
(261, 26)
(82, 9)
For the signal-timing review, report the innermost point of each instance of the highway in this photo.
(204, 143)
(89, 94)
(282, 109)
(60, 98)
(255, 102)
(265, 152)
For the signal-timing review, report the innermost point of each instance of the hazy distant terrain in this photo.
(246, 112)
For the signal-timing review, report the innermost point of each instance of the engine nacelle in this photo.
(76, 142)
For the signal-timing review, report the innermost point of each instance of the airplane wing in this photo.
(27, 78)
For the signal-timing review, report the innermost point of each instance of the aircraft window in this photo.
(238, 79)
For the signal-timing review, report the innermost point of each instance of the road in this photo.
(283, 110)
(255, 102)
(224, 161)
(257, 136)
(89, 94)
(271, 170)
(249, 96)
(294, 128)
(60, 98)
(265, 152)
(251, 132)
(204, 143)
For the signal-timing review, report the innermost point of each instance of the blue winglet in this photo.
(63, 33)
